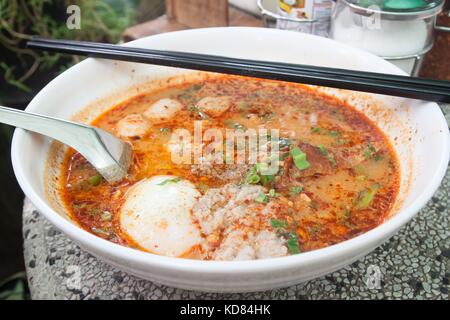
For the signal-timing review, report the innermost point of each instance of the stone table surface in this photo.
(413, 264)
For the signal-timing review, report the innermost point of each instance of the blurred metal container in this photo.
(317, 15)
(398, 31)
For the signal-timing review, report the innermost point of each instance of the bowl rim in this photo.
(346, 248)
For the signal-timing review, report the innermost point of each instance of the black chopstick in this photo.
(410, 87)
(296, 67)
(286, 72)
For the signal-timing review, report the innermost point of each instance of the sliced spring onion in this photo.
(292, 243)
(333, 133)
(167, 181)
(258, 174)
(299, 158)
(275, 223)
(369, 151)
(316, 129)
(322, 149)
(252, 176)
(95, 180)
(267, 116)
(164, 130)
(272, 193)
(196, 87)
(296, 190)
(253, 179)
(193, 108)
(378, 157)
(320, 130)
(262, 198)
(266, 180)
(361, 177)
(344, 216)
(234, 125)
(366, 197)
(101, 232)
(261, 167)
(106, 216)
(243, 105)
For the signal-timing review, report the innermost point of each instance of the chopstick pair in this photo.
(403, 86)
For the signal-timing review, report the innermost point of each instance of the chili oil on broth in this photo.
(349, 187)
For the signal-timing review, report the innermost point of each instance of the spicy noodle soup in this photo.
(337, 175)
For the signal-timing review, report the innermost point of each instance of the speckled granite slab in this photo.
(414, 264)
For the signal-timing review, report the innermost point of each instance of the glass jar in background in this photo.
(308, 16)
(400, 31)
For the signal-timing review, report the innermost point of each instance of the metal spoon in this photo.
(110, 156)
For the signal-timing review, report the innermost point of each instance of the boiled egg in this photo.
(156, 215)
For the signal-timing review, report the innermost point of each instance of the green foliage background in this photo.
(20, 19)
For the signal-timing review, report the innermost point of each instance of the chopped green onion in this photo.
(344, 216)
(106, 216)
(164, 130)
(361, 177)
(101, 232)
(323, 150)
(333, 133)
(296, 190)
(196, 87)
(292, 243)
(261, 167)
(234, 125)
(262, 170)
(366, 197)
(253, 179)
(272, 193)
(369, 151)
(252, 176)
(95, 180)
(342, 141)
(378, 157)
(275, 223)
(267, 116)
(193, 109)
(167, 181)
(243, 105)
(267, 179)
(284, 156)
(262, 198)
(258, 174)
(299, 158)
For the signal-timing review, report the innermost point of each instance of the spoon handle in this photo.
(104, 151)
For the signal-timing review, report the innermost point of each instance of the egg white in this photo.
(156, 215)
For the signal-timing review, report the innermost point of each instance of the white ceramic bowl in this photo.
(417, 129)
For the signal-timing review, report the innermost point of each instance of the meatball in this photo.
(133, 125)
(163, 110)
(214, 106)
